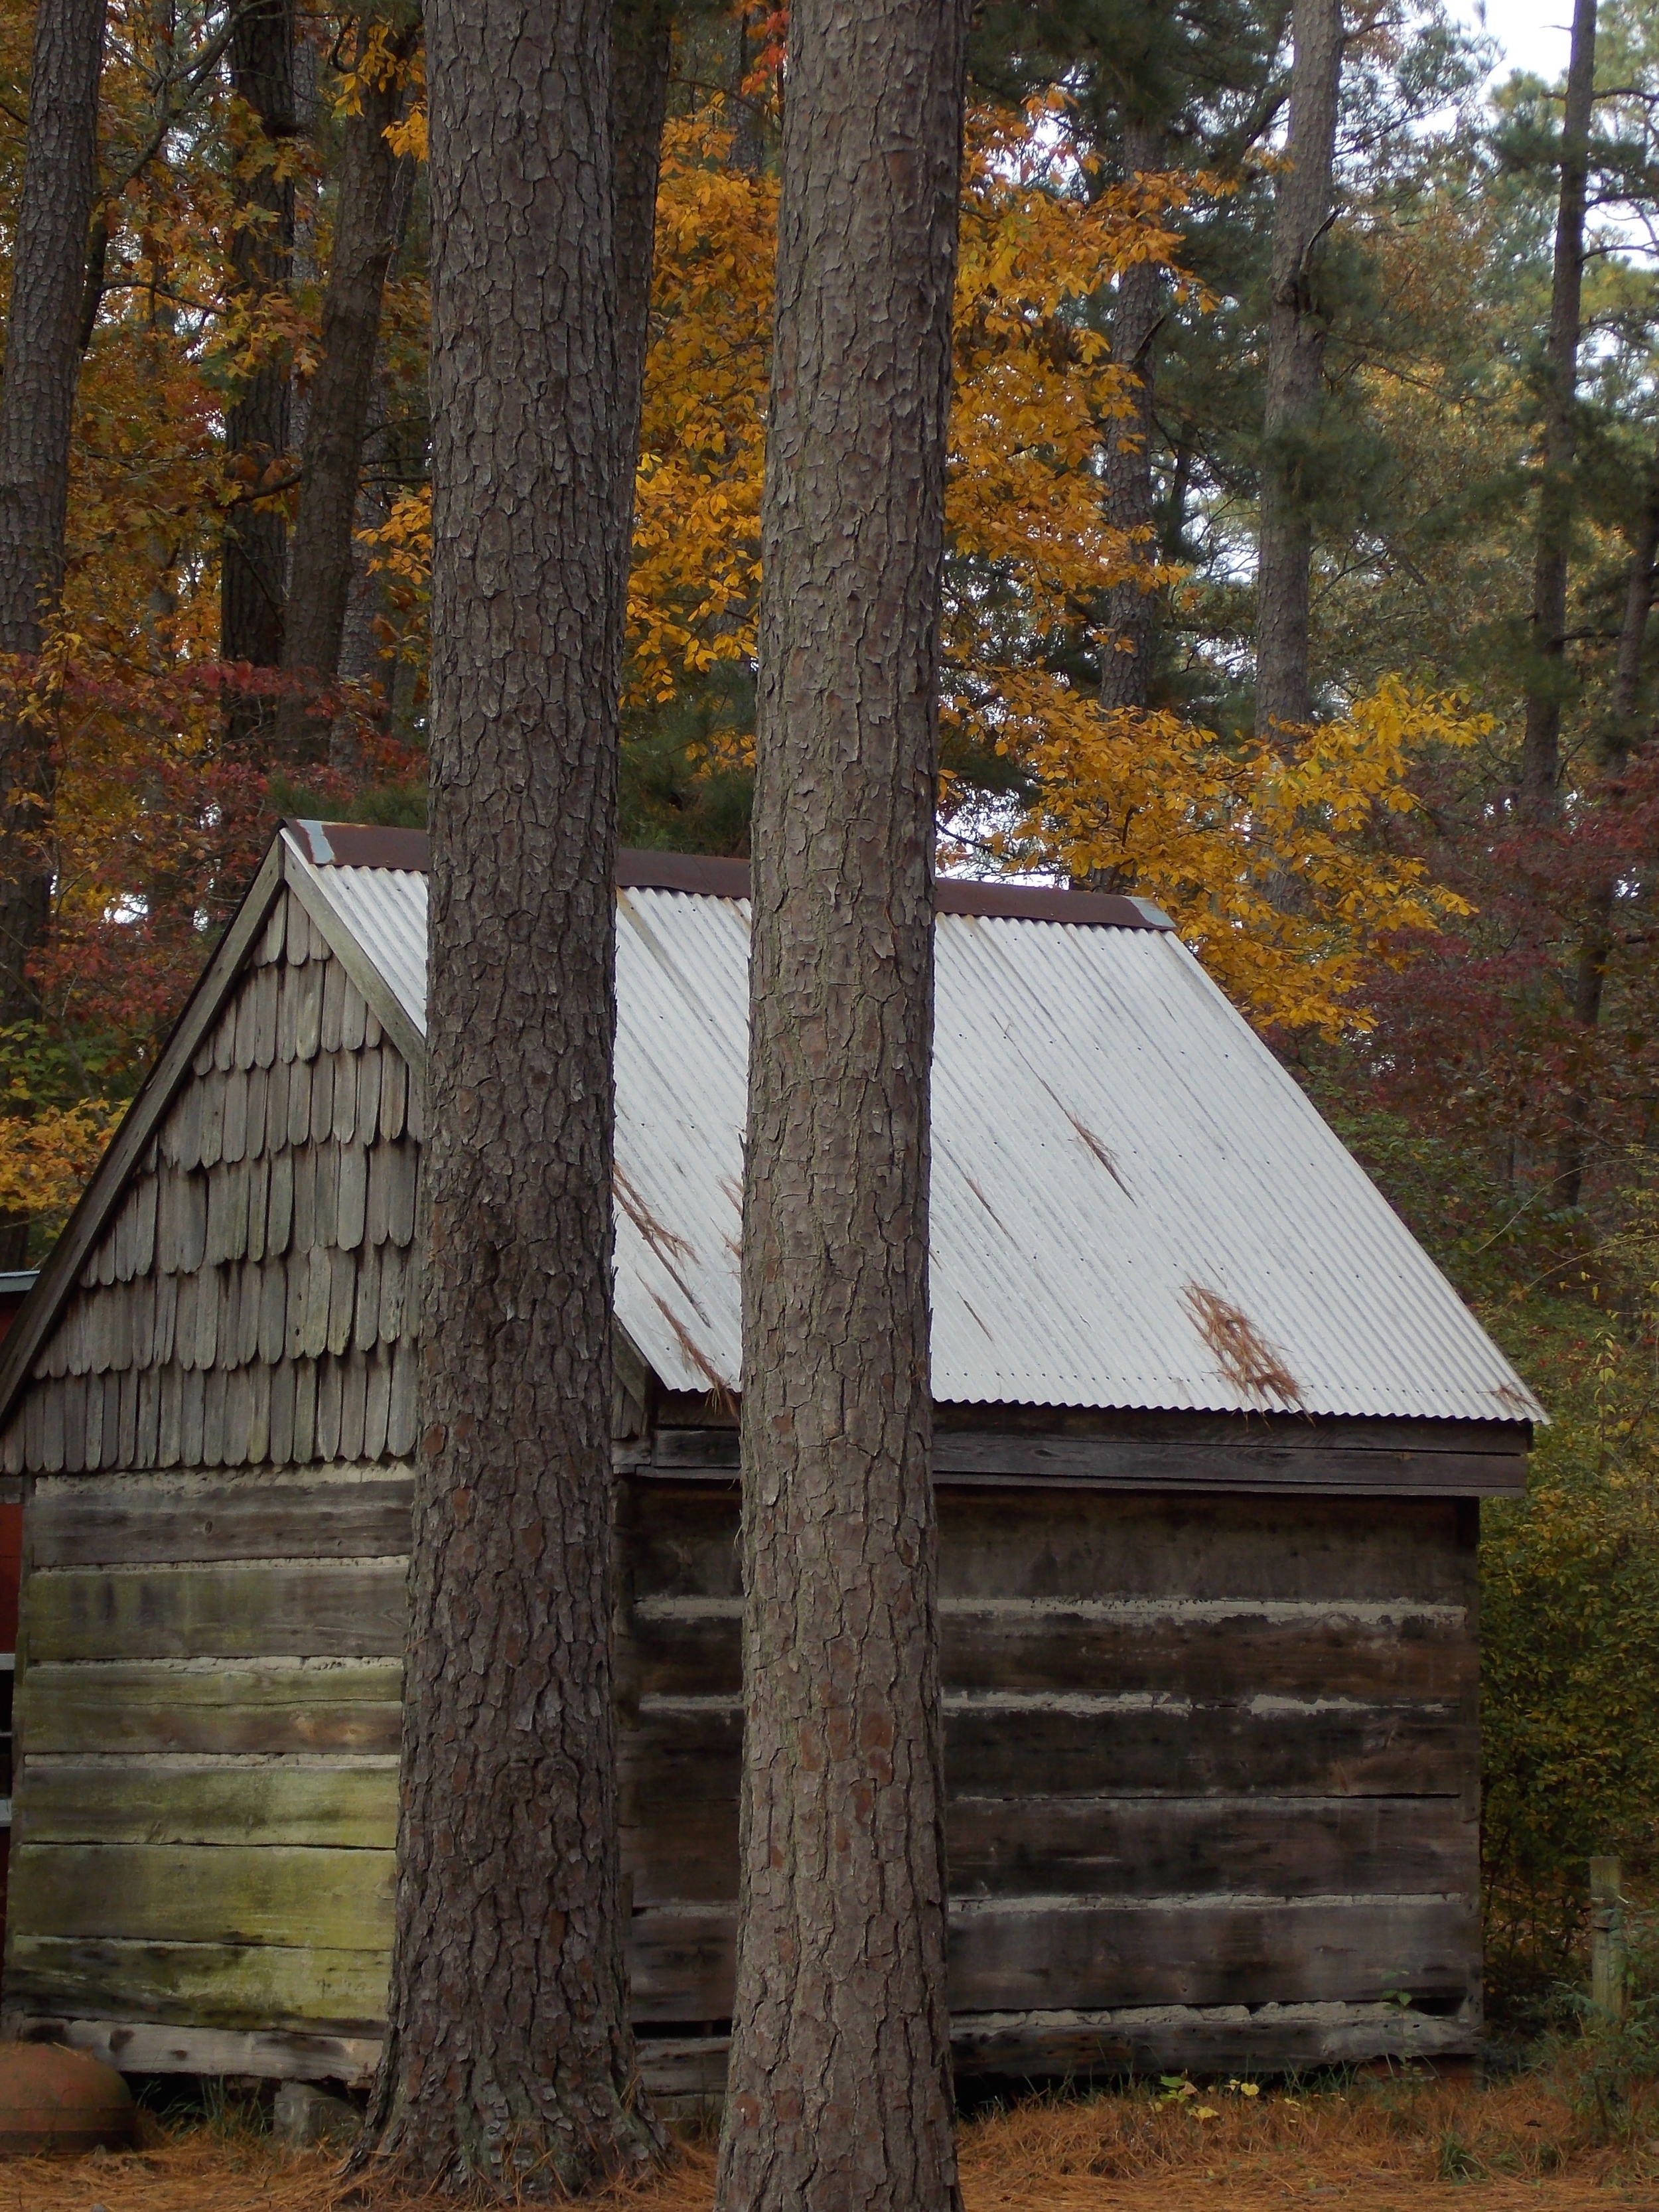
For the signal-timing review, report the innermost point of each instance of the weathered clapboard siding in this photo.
(1090, 1449)
(1042, 1954)
(1200, 1752)
(273, 1705)
(253, 1302)
(293, 1987)
(107, 1519)
(325, 1608)
(316, 1803)
(208, 1799)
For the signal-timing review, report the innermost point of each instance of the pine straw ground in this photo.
(1388, 2146)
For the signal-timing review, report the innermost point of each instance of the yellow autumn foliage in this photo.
(1265, 856)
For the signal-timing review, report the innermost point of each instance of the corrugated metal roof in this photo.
(1134, 1206)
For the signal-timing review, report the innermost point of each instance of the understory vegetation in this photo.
(1577, 2129)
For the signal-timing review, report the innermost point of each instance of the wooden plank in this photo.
(142, 2048)
(345, 1099)
(377, 1403)
(259, 1420)
(1038, 1957)
(235, 1135)
(329, 1393)
(334, 998)
(328, 1191)
(326, 1899)
(354, 1391)
(397, 1316)
(1225, 1650)
(308, 1014)
(341, 1306)
(201, 1985)
(213, 1118)
(367, 1119)
(402, 1416)
(264, 1018)
(277, 1105)
(322, 1098)
(226, 1611)
(686, 1754)
(129, 1520)
(215, 1384)
(394, 1092)
(366, 1320)
(304, 1411)
(354, 1017)
(279, 1230)
(191, 1396)
(1195, 1464)
(298, 1102)
(353, 1195)
(293, 1706)
(258, 1095)
(312, 1804)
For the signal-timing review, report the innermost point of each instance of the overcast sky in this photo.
(1534, 33)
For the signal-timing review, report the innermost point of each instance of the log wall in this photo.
(1212, 1767)
(1211, 1763)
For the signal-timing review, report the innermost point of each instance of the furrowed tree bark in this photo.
(508, 2061)
(840, 2093)
(37, 414)
(1540, 749)
(1620, 736)
(252, 581)
(1297, 331)
(1131, 611)
(365, 240)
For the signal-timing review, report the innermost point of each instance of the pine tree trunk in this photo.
(1297, 330)
(1619, 737)
(252, 581)
(1131, 611)
(508, 2061)
(840, 2087)
(1547, 675)
(37, 413)
(365, 239)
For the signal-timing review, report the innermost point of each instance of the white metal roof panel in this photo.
(1134, 1204)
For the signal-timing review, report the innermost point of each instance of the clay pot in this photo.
(53, 2098)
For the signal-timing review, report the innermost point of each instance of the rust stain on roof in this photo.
(1245, 1356)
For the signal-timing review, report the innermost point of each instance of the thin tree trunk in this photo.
(1131, 610)
(508, 2061)
(1297, 331)
(840, 2087)
(365, 239)
(37, 414)
(1618, 739)
(641, 45)
(1540, 751)
(747, 152)
(257, 421)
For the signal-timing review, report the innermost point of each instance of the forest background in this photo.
(1458, 963)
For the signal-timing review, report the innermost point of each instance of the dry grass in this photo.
(1390, 2146)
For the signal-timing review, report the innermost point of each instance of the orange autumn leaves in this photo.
(1268, 856)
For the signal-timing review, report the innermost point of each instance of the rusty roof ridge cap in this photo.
(707, 875)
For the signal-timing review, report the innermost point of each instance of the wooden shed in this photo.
(1212, 1434)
